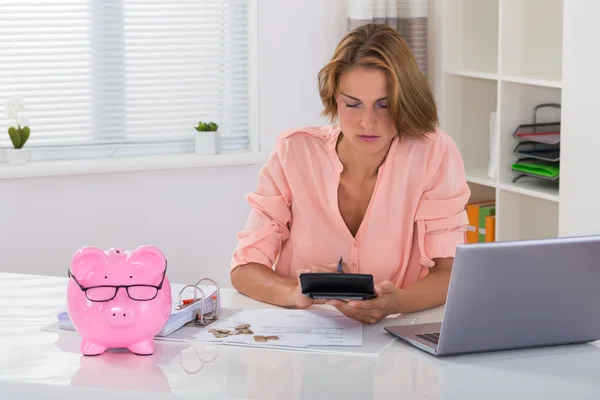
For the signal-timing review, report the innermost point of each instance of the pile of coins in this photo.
(259, 338)
(242, 329)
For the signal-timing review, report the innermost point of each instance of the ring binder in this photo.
(217, 299)
(181, 304)
(204, 320)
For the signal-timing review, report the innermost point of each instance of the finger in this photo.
(343, 307)
(334, 302)
(360, 316)
(329, 268)
(385, 287)
(301, 300)
(302, 271)
(319, 269)
(381, 302)
(368, 316)
(378, 303)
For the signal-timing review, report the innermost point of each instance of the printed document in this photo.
(286, 328)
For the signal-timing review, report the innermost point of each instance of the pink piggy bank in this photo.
(118, 298)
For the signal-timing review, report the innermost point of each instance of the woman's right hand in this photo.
(298, 298)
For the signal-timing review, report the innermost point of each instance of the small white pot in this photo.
(17, 156)
(206, 142)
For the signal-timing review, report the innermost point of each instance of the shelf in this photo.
(538, 190)
(472, 35)
(466, 117)
(481, 192)
(105, 165)
(473, 74)
(551, 80)
(480, 177)
(525, 217)
(504, 58)
(531, 37)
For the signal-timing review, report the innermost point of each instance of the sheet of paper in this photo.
(293, 328)
(375, 340)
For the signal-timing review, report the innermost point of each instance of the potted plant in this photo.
(205, 138)
(18, 131)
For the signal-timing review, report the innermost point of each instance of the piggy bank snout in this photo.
(120, 316)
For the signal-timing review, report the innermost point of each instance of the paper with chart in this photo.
(287, 328)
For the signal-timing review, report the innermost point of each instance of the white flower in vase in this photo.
(18, 130)
(14, 105)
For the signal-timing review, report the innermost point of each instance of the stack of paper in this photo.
(311, 330)
(177, 319)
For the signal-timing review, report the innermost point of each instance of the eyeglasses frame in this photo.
(117, 287)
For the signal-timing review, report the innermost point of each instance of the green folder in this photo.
(536, 168)
(485, 211)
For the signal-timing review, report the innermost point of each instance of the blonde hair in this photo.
(411, 102)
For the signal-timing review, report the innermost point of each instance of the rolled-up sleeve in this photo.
(441, 216)
(267, 227)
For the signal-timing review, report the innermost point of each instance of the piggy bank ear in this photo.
(149, 256)
(86, 258)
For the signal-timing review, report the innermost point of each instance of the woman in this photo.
(384, 189)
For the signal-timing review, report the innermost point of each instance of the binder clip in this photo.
(201, 319)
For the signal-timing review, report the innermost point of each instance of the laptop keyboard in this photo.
(430, 337)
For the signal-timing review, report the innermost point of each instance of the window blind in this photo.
(126, 73)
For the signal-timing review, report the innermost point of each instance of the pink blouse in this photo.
(416, 213)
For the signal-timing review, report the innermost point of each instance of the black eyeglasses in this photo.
(102, 293)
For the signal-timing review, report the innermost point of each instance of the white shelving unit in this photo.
(503, 56)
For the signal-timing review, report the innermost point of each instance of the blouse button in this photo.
(353, 265)
(323, 135)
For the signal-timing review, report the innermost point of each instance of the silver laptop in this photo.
(516, 294)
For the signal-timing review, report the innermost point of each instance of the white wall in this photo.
(434, 40)
(191, 214)
(296, 38)
(579, 177)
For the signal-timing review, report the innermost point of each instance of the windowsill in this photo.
(126, 164)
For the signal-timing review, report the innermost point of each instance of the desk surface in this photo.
(36, 364)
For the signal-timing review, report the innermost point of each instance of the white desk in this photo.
(36, 364)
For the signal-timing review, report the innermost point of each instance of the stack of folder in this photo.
(538, 149)
(482, 221)
(178, 317)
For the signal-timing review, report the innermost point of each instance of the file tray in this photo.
(547, 132)
(539, 151)
(537, 169)
(539, 148)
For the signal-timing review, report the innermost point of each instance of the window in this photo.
(116, 77)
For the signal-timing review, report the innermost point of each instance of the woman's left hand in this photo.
(373, 310)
